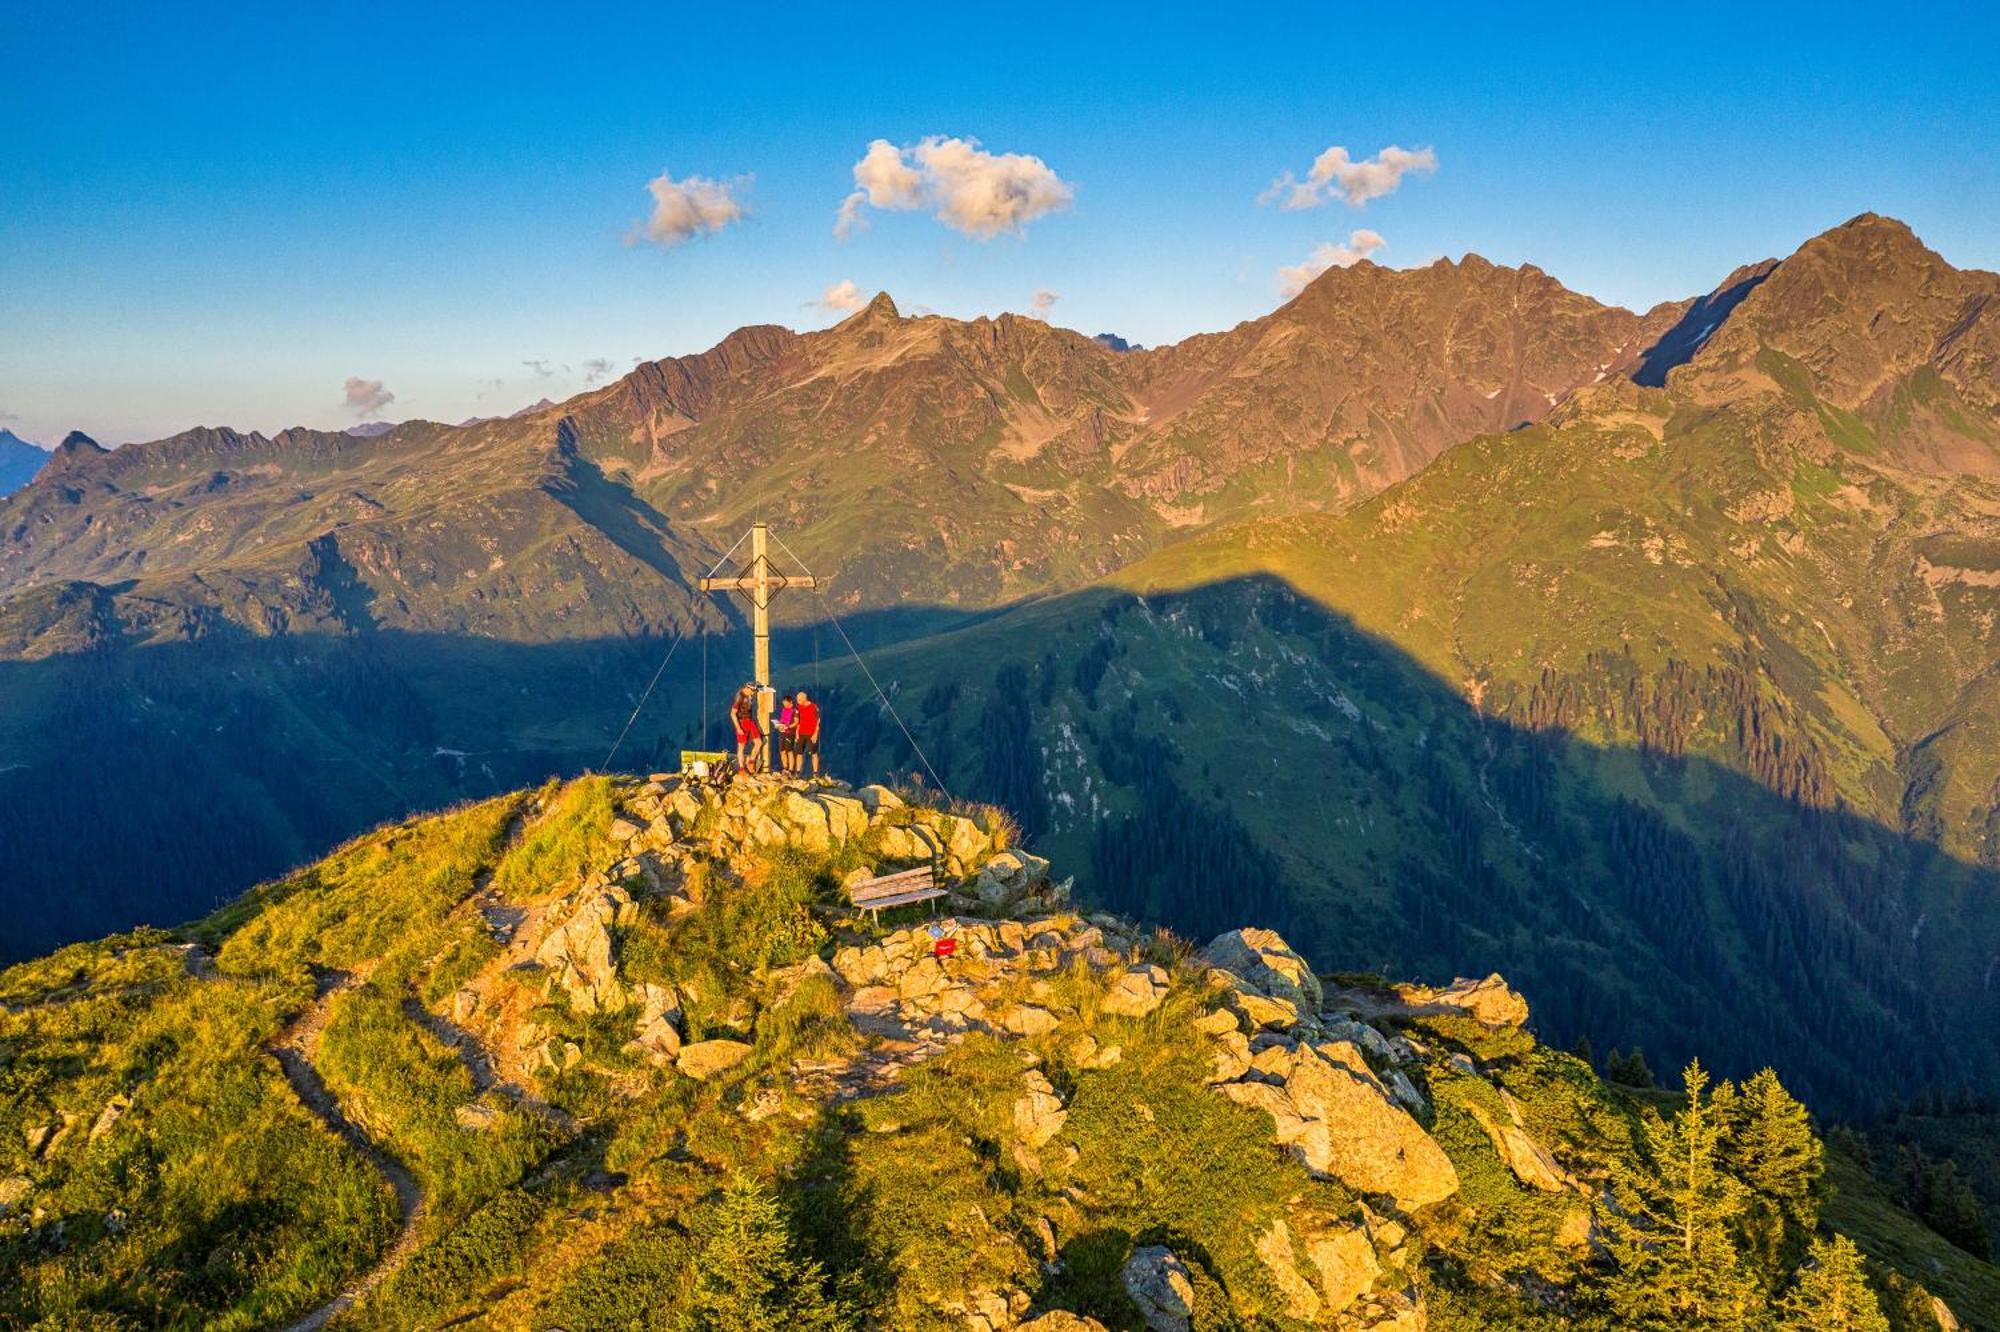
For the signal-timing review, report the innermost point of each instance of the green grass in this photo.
(1859, 1209)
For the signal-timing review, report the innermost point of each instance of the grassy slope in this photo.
(232, 1207)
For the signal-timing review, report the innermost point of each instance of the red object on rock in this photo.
(944, 947)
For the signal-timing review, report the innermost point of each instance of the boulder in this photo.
(683, 807)
(476, 1116)
(1136, 991)
(560, 1056)
(1061, 1320)
(911, 845)
(13, 1189)
(578, 951)
(656, 1031)
(876, 799)
(1491, 1001)
(1264, 961)
(861, 965)
(1231, 1057)
(1038, 1112)
(1254, 1007)
(706, 1059)
(1393, 1311)
(1029, 1020)
(1528, 1159)
(107, 1118)
(624, 829)
(1341, 1123)
(1346, 1264)
(846, 817)
(1217, 1023)
(1160, 1285)
(1280, 1259)
(805, 822)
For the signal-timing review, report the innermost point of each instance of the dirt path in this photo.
(294, 1049)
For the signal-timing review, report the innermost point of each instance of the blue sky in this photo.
(214, 216)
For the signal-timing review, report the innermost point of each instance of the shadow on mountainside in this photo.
(1234, 754)
(1237, 753)
(149, 783)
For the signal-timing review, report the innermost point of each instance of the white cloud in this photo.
(1292, 278)
(1045, 301)
(843, 297)
(367, 397)
(1336, 175)
(965, 187)
(542, 369)
(594, 369)
(691, 207)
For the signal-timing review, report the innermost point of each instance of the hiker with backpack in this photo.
(749, 735)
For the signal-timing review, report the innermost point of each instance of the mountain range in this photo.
(1649, 656)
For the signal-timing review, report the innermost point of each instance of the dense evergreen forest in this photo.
(1236, 753)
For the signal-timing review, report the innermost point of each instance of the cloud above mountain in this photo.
(1292, 278)
(974, 192)
(843, 297)
(367, 397)
(596, 368)
(690, 207)
(1335, 174)
(1044, 301)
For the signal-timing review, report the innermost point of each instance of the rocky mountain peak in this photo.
(879, 309)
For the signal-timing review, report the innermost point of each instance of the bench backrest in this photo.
(888, 885)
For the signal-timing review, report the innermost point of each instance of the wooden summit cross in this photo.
(759, 582)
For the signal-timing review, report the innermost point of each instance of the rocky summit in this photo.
(621, 1053)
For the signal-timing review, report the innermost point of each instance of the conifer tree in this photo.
(1833, 1294)
(1670, 1230)
(1768, 1143)
(748, 1278)
(1771, 1147)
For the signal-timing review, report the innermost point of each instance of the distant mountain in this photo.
(935, 461)
(370, 429)
(1686, 698)
(19, 461)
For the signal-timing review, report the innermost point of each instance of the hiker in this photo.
(805, 735)
(748, 734)
(782, 725)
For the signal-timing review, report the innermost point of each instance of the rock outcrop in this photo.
(1159, 1284)
(578, 948)
(1490, 1001)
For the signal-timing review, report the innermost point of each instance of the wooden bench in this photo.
(921, 884)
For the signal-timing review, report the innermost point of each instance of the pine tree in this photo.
(1630, 1070)
(1768, 1143)
(747, 1277)
(1770, 1146)
(1833, 1294)
(1670, 1226)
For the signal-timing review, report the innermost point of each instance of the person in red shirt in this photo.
(749, 735)
(805, 734)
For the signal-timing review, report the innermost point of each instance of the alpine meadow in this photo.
(1445, 802)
